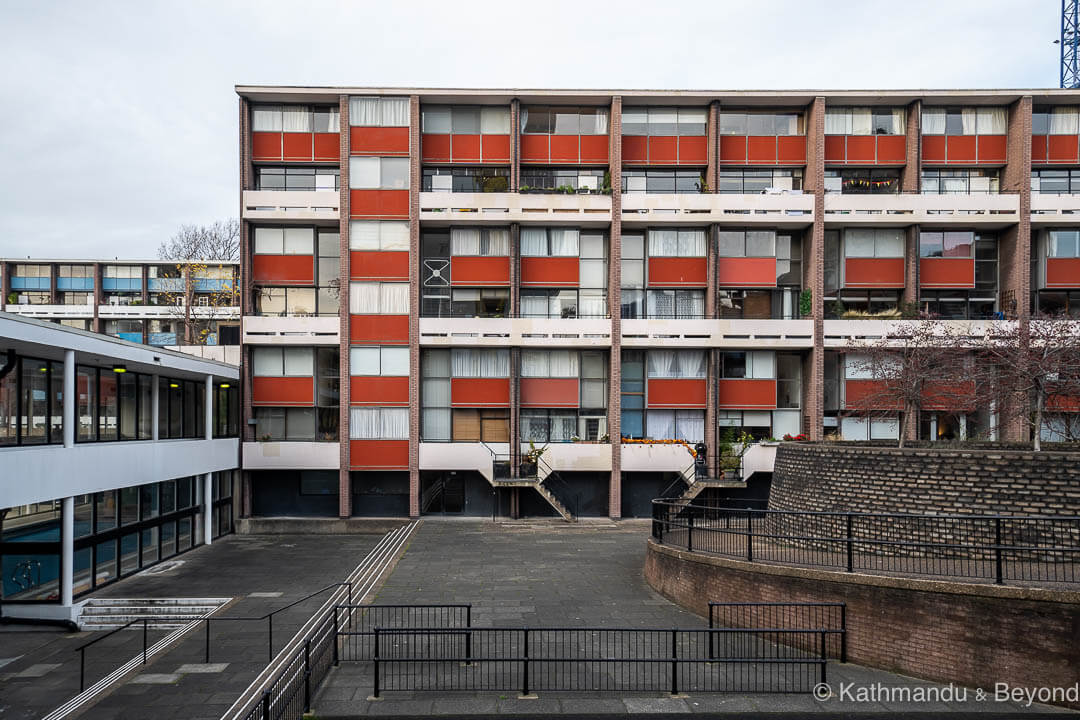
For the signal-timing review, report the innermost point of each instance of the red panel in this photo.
(992, 148)
(1062, 272)
(834, 148)
(379, 454)
(761, 150)
(733, 149)
(891, 149)
(746, 394)
(480, 270)
(283, 269)
(379, 391)
(379, 329)
(465, 148)
(1038, 148)
(960, 149)
(594, 149)
(479, 392)
(327, 146)
(746, 272)
(297, 146)
(668, 271)
(874, 272)
(495, 148)
(946, 273)
(663, 150)
(379, 265)
(676, 393)
(283, 391)
(693, 150)
(435, 148)
(534, 148)
(266, 146)
(1059, 148)
(866, 395)
(791, 149)
(549, 392)
(565, 148)
(933, 149)
(381, 141)
(1063, 403)
(635, 149)
(550, 271)
(862, 149)
(937, 395)
(379, 204)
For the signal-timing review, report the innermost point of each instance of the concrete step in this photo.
(160, 613)
(103, 602)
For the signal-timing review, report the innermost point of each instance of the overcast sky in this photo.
(119, 118)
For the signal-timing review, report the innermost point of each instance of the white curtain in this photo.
(534, 363)
(465, 241)
(1063, 121)
(364, 173)
(563, 363)
(534, 305)
(690, 304)
(495, 363)
(889, 243)
(969, 119)
(660, 425)
(394, 111)
(691, 243)
(837, 121)
(266, 118)
(435, 392)
(690, 425)
(435, 364)
(859, 242)
(363, 297)
(691, 363)
(364, 111)
(661, 363)
(533, 242)
(364, 423)
(393, 235)
(534, 426)
(477, 363)
(933, 122)
(991, 121)
(564, 242)
(663, 243)
(394, 298)
(395, 424)
(495, 121)
(899, 121)
(862, 122)
(592, 274)
(563, 426)
(601, 120)
(592, 303)
(436, 424)
(498, 242)
(296, 118)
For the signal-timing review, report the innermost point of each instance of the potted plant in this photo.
(12, 298)
(606, 184)
(805, 303)
(530, 459)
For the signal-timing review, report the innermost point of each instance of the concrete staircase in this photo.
(537, 485)
(160, 613)
(696, 487)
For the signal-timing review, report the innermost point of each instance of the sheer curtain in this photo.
(495, 363)
(861, 121)
(495, 121)
(296, 118)
(933, 122)
(498, 242)
(533, 242)
(534, 305)
(465, 241)
(691, 243)
(968, 117)
(661, 304)
(435, 392)
(266, 118)
(601, 120)
(394, 424)
(991, 121)
(690, 425)
(660, 425)
(394, 111)
(394, 298)
(1063, 121)
(661, 363)
(563, 426)
(663, 243)
(838, 121)
(364, 111)
(435, 364)
(592, 303)
(534, 363)
(363, 234)
(534, 426)
(465, 363)
(563, 363)
(364, 423)
(564, 241)
(435, 424)
(363, 297)
(691, 363)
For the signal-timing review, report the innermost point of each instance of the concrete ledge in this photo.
(317, 526)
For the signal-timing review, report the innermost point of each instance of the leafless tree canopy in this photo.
(217, 241)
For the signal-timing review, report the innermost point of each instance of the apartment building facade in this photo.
(611, 277)
(163, 303)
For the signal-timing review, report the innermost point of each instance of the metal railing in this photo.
(825, 617)
(599, 659)
(356, 624)
(1032, 549)
(82, 648)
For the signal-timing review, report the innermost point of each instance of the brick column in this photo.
(146, 285)
(910, 175)
(247, 432)
(344, 462)
(515, 353)
(615, 307)
(911, 265)
(414, 305)
(813, 270)
(96, 324)
(54, 273)
(711, 396)
(712, 133)
(515, 144)
(5, 282)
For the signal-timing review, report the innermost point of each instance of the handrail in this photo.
(82, 648)
(839, 513)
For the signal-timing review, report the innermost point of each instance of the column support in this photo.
(69, 398)
(208, 408)
(208, 508)
(67, 550)
(155, 408)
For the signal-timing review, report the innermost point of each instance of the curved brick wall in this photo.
(862, 478)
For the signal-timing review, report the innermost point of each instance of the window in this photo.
(1058, 302)
(964, 121)
(297, 178)
(761, 122)
(379, 111)
(675, 304)
(282, 362)
(874, 243)
(565, 180)
(686, 425)
(378, 423)
(1055, 181)
(475, 120)
(663, 181)
(471, 303)
(558, 120)
(486, 242)
(1055, 121)
(285, 424)
(747, 243)
(284, 241)
(480, 363)
(676, 243)
(328, 275)
(375, 298)
(863, 182)
(549, 426)
(745, 181)
(378, 173)
(659, 121)
(384, 361)
(676, 364)
(466, 179)
(294, 118)
(864, 121)
(949, 244)
(549, 364)
(378, 235)
(549, 242)
(563, 303)
(756, 364)
(1063, 244)
(971, 180)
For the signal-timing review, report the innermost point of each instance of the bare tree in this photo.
(205, 288)
(917, 365)
(217, 241)
(1034, 367)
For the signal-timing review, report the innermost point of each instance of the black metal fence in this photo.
(829, 618)
(1033, 549)
(356, 623)
(599, 659)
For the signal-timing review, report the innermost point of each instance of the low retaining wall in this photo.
(811, 477)
(972, 635)
(317, 526)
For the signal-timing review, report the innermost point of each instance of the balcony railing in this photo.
(575, 332)
(788, 209)
(291, 205)
(259, 330)
(502, 208)
(909, 208)
(718, 333)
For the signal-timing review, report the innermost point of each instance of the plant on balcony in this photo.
(566, 189)
(265, 437)
(702, 185)
(530, 460)
(836, 308)
(524, 189)
(605, 438)
(806, 307)
(497, 184)
(606, 183)
(887, 314)
(12, 298)
(788, 437)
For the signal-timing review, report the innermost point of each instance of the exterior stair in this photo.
(696, 486)
(160, 613)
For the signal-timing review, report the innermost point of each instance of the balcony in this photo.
(847, 333)
(291, 205)
(503, 208)
(167, 312)
(987, 210)
(655, 458)
(291, 455)
(51, 311)
(787, 210)
(1054, 209)
(520, 332)
(574, 457)
(467, 456)
(779, 334)
(299, 330)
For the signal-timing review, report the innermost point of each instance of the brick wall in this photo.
(812, 477)
(947, 632)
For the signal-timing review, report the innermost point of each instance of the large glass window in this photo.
(282, 361)
(864, 121)
(379, 298)
(1063, 244)
(761, 122)
(754, 181)
(564, 180)
(676, 243)
(561, 120)
(664, 121)
(1060, 182)
(949, 244)
(861, 181)
(294, 118)
(874, 243)
(663, 181)
(964, 121)
(379, 423)
(968, 180)
(465, 120)
(378, 173)
(383, 361)
(379, 111)
(284, 241)
(308, 178)
(378, 235)
(466, 179)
